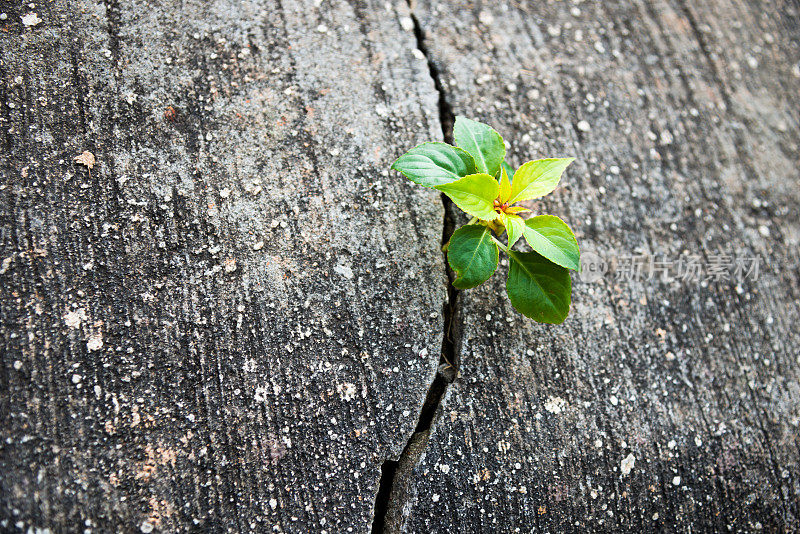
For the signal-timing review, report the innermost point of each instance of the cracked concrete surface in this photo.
(233, 321)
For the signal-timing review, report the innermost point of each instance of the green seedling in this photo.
(475, 176)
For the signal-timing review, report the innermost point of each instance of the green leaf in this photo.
(432, 164)
(480, 140)
(537, 178)
(472, 255)
(515, 226)
(505, 184)
(552, 238)
(508, 168)
(475, 194)
(538, 288)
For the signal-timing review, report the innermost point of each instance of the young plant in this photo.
(476, 178)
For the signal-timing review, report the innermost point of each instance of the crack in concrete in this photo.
(388, 511)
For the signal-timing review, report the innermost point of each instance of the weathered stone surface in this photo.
(233, 318)
(657, 405)
(231, 321)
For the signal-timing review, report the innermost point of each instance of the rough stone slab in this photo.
(232, 319)
(689, 146)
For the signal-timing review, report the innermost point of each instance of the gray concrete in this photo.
(233, 320)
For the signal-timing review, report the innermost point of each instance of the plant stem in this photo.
(472, 220)
(500, 244)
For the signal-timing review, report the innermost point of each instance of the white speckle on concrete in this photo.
(344, 270)
(627, 464)
(407, 23)
(6, 264)
(435, 497)
(417, 53)
(95, 342)
(555, 405)
(763, 230)
(676, 481)
(31, 19)
(258, 246)
(614, 400)
(17, 365)
(486, 17)
(146, 527)
(76, 379)
(74, 318)
(347, 391)
(322, 28)
(273, 503)
(584, 126)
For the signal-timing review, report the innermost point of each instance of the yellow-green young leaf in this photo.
(472, 255)
(537, 178)
(432, 164)
(552, 238)
(482, 142)
(515, 226)
(516, 209)
(505, 185)
(474, 194)
(538, 288)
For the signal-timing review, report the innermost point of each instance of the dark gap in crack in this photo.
(448, 369)
(446, 117)
(388, 470)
